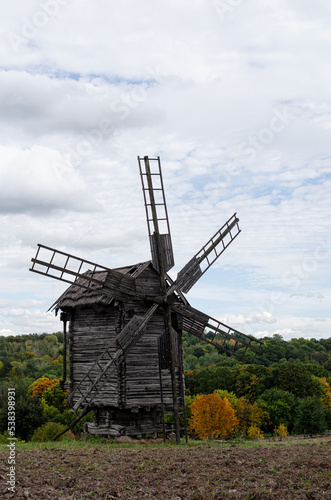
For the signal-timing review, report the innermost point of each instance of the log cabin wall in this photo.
(92, 329)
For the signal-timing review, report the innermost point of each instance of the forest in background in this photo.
(288, 385)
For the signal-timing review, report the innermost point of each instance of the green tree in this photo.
(294, 378)
(272, 351)
(280, 406)
(17, 369)
(52, 414)
(311, 417)
(31, 368)
(6, 367)
(250, 381)
(198, 351)
(190, 362)
(209, 379)
(55, 396)
(29, 416)
(49, 430)
(230, 396)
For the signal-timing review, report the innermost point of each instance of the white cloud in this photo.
(93, 85)
(35, 182)
(235, 321)
(6, 333)
(21, 321)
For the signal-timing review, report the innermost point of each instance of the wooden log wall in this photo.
(136, 383)
(114, 422)
(91, 332)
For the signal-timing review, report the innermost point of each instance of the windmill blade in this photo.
(202, 260)
(170, 283)
(223, 337)
(156, 213)
(83, 273)
(108, 361)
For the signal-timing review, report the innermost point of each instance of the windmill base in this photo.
(133, 422)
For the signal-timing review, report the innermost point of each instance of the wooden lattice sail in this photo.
(125, 352)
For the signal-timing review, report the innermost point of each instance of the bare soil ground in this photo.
(281, 471)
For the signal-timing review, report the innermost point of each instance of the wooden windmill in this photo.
(125, 352)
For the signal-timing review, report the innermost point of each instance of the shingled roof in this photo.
(78, 296)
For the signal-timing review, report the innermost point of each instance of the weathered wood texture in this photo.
(165, 249)
(90, 333)
(115, 422)
(94, 327)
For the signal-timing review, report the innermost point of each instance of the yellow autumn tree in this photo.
(281, 431)
(254, 432)
(327, 388)
(38, 387)
(212, 417)
(249, 415)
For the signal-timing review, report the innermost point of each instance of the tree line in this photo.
(287, 387)
(288, 384)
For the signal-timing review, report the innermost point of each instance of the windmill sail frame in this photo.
(126, 324)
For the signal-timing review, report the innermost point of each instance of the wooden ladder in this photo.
(156, 213)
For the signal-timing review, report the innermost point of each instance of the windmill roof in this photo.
(77, 295)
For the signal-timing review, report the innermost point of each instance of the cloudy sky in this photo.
(233, 95)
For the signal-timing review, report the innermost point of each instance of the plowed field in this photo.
(281, 471)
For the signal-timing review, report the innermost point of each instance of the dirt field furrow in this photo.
(299, 471)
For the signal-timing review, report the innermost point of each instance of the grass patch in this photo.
(91, 442)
